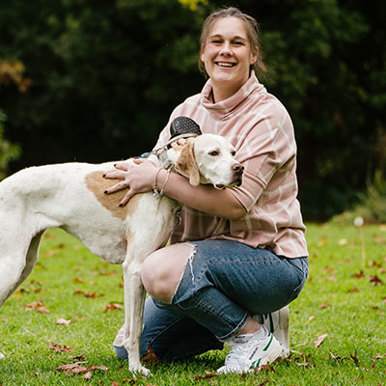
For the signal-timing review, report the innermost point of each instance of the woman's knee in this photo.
(161, 271)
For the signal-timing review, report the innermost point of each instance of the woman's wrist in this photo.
(160, 181)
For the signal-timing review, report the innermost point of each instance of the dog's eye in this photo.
(214, 153)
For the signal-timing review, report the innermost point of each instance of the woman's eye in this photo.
(213, 153)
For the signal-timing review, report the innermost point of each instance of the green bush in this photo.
(371, 204)
(8, 151)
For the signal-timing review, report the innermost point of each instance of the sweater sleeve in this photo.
(268, 148)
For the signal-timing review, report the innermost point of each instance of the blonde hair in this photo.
(251, 27)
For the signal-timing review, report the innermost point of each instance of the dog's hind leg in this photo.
(134, 298)
(16, 266)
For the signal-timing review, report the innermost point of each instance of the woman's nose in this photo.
(226, 49)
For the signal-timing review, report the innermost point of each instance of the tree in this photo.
(105, 77)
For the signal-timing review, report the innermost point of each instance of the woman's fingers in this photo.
(115, 175)
(127, 197)
(117, 187)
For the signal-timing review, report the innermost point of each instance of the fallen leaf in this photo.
(70, 366)
(337, 357)
(322, 242)
(208, 374)
(102, 367)
(80, 369)
(380, 356)
(112, 307)
(91, 295)
(58, 348)
(312, 317)
(87, 375)
(63, 321)
(107, 273)
(342, 242)
(37, 306)
(77, 280)
(78, 357)
(325, 305)
(304, 364)
(331, 278)
(150, 356)
(375, 280)
(50, 253)
(320, 340)
(354, 289)
(354, 357)
(358, 275)
(4, 320)
(267, 368)
(379, 239)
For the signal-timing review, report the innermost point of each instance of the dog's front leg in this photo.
(134, 304)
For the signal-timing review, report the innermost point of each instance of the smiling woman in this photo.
(228, 57)
(239, 252)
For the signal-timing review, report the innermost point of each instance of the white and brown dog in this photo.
(70, 196)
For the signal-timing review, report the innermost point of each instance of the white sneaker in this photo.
(278, 323)
(250, 352)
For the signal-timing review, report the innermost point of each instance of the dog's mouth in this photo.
(236, 182)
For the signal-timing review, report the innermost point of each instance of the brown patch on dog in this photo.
(186, 164)
(97, 184)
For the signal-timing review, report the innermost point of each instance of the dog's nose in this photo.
(238, 169)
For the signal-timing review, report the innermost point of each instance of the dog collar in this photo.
(161, 152)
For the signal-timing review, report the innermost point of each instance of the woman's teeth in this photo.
(223, 64)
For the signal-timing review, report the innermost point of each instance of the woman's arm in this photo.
(204, 198)
(139, 177)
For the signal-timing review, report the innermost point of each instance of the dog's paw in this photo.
(140, 370)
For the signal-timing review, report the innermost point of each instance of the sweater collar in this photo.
(226, 106)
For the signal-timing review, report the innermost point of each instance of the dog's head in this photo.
(210, 159)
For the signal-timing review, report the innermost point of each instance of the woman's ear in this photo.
(186, 164)
(254, 55)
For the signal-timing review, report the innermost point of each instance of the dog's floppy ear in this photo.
(186, 164)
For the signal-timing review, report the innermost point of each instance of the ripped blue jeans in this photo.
(224, 282)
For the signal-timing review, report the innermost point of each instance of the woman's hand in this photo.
(137, 176)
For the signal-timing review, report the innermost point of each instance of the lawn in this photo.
(69, 311)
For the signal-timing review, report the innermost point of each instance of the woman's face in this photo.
(227, 55)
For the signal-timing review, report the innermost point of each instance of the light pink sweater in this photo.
(260, 129)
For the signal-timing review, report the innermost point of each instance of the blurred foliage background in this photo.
(94, 80)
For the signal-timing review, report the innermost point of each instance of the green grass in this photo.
(338, 300)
